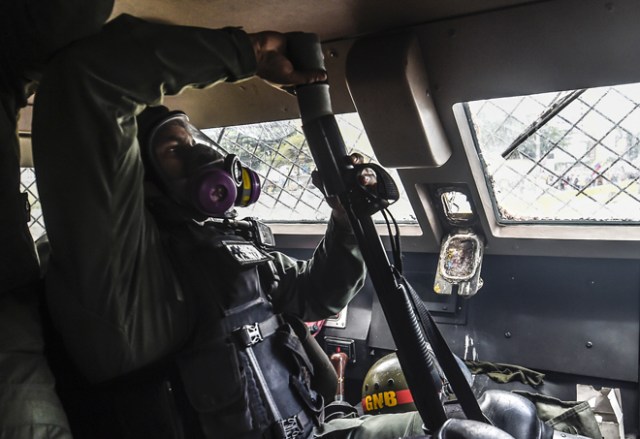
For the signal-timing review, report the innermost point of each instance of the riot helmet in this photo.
(385, 388)
(191, 168)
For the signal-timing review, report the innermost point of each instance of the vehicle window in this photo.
(571, 156)
(456, 206)
(28, 185)
(278, 152)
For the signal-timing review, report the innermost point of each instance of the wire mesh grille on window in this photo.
(279, 153)
(28, 185)
(582, 165)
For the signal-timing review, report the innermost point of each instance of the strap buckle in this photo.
(250, 334)
(290, 428)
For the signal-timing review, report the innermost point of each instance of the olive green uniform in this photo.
(113, 289)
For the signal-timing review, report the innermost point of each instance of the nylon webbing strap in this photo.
(248, 335)
(447, 361)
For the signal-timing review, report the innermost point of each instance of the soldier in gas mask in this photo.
(140, 278)
(158, 291)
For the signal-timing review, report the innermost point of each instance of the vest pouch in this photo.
(211, 377)
(301, 382)
(213, 384)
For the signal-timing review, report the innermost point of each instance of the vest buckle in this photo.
(250, 334)
(290, 428)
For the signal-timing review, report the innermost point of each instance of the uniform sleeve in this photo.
(31, 31)
(322, 286)
(111, 288)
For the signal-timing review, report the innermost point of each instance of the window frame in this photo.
(606, 236)
(493, 187)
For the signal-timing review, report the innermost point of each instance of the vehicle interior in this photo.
(512, 130)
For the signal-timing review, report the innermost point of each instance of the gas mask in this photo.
(192, 169)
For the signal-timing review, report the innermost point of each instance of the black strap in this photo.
(445, 357)
(248, 335)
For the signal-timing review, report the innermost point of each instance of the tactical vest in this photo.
(245, 372)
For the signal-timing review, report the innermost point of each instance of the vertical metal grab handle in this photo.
(329, 153)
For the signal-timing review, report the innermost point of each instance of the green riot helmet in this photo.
(385, 389)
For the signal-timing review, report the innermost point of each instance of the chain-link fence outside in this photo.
(583, 165)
